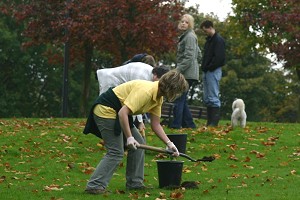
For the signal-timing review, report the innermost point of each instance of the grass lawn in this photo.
(51, 159)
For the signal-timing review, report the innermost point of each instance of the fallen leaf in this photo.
(234, 176)
(268, 143)
(233, 157)
(134, 195)
(52, 187)
(210, 181)
(293, 172)
(177, 195)
(247, 159)
(248, 166)
(273, 138)
(2, 179)
(233, 147)
(205, 191)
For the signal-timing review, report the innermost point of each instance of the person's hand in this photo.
(132, 143)
(142, 128)
(171, 146)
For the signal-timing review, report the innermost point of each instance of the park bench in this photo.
(198, 112)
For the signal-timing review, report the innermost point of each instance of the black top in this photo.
(214, 53)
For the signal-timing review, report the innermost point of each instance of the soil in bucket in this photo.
(179, 140)
(169, 173)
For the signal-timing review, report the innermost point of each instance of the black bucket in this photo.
(169, 173)
(179, 140)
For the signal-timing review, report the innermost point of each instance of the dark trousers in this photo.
(181, 112)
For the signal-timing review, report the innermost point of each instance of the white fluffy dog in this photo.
(239, 116)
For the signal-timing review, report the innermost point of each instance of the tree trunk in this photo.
(87, 80)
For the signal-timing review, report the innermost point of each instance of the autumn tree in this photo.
(275, 25)
(118, 27)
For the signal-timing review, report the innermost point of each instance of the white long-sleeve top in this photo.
(112, 77)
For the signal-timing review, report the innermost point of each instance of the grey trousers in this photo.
(115, 152)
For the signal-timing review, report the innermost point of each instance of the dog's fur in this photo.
(239, 116)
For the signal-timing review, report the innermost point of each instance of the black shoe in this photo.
(96, 191)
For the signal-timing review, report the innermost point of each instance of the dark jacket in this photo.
(109, 99)
(214, 53)
(136, 58)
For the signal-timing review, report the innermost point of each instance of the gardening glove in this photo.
(132, 143)
(172, 147)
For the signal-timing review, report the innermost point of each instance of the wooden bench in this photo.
(198, 112)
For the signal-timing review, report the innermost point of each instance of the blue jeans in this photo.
(211, 87)
(182, 115)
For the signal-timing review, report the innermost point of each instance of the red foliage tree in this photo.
(119, 27)
(276, 26)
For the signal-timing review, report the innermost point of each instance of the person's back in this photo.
(112, 77)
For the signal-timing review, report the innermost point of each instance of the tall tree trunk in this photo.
(87, 79)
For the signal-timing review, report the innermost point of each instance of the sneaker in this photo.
(95, 191)
(143, 187)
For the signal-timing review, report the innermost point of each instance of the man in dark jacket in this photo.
(212, 61)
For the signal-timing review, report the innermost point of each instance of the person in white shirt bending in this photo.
(112, 77)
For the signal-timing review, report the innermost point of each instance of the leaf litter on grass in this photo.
(52, 155)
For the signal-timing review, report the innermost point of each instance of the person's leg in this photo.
(135, 163)
(178, 112)
(187, 119)
(115, 151)
(205, 89)
(213, 102)
(205, 98)
(212, 90)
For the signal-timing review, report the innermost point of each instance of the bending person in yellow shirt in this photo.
(110, 118)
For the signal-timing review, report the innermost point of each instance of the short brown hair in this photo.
(207, 24)
(172, 84)
(148, 59)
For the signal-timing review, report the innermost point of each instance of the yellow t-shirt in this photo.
(139, 96)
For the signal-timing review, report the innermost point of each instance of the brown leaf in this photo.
(2, 179)
(247, 159)
(177, 195)
(262, 129)
(268, 143)
(120, 192)
(273, 138)
(233, 157)
(161, 156)
(162, 195)
(89, 170)
(233, 147)
(217, 156)
(134, 195)
(248, 166)
(260, 155)
(205, 191)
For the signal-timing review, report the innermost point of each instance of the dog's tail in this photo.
(237, 110)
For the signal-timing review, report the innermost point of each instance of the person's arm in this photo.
(123, 118)
(159, 131)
